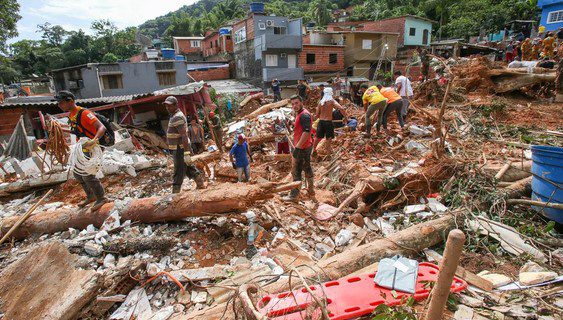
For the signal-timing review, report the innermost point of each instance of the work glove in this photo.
(187, 158)
(90, 144)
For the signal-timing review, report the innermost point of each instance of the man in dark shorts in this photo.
(325, 128)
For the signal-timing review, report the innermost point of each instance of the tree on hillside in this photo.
(321, 12)
(8, 72)
(53, 34)
(9, 16)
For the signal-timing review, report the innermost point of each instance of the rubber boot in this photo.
(311, 186)
(293, 196)
(99, 203)
(176, 189)
(86, 202)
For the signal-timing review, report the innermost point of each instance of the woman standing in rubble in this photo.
(84, 123)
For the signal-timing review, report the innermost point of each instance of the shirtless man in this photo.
(325, 128)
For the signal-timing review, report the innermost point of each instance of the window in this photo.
(195, 43)
(280, 30)
(166, 78)
(240, 35)
(211, 44)
(412, 32)
(332, 58)
(555, 16)
(271, 60)
(310, 58)
(425, 38)
(366, 44)
(112, 81)
(217, 42)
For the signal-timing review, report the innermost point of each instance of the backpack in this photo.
(107, 140)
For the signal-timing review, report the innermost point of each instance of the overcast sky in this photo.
(77, 14)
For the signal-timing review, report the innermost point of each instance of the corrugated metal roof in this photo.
(232, 86)
(49, 100)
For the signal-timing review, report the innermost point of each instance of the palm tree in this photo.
(320, 11)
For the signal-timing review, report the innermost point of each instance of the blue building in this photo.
(552, 14)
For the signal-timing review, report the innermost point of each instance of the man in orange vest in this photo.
(394, 104)
(84, 123)
(303, 147)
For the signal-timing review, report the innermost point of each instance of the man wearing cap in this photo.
(217, 130)
(241, 152)
(87, 126)
(303, 147)
(179, 146)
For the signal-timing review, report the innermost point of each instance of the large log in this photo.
(267, 108)
(258, 95)
(517, 81)
(222, 199)
(517, 171)
(405, 242)
(261, 139)
(206, 157)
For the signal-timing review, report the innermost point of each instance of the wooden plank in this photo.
(468, 276)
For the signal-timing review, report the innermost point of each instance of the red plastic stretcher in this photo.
(349, 297)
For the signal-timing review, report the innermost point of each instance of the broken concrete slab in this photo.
(496, 279)
(531, 278)
(136, 306)
(45, 284)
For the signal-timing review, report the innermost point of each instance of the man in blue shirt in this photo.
(240, 151)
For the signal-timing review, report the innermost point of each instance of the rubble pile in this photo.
(200, 254)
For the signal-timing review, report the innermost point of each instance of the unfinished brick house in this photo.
(190, 47)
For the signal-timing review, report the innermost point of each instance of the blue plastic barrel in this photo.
(180, 58)
(168, 54)
(547, 170)
(257, 7)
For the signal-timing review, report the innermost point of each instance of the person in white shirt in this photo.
(404, 88)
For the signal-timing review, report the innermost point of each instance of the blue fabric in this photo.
(229, 105)
(239, 152)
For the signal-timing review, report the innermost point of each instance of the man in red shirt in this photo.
(303, 147)
(87, 126)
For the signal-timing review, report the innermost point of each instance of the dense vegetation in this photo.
(61, 48)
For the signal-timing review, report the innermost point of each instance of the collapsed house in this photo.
(238, 251)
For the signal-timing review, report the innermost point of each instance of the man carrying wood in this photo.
(179, 146)
(373, 101)
(325, 128)
(84, 123)
(303, 147)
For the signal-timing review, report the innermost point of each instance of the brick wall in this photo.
(388, 25)
(210, 74)
(185, 47)
(9, 119)
(321, 58)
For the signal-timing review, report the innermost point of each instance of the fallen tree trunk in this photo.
(258, 95)
(223, 199)
(125, 247)
(518, 188)
(206, 157)
(517, 81)
(405, 242)
(261, 139)
(267, 108)
(516, 171)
